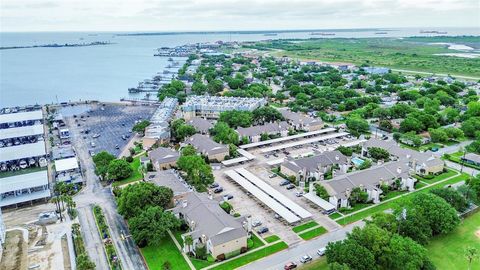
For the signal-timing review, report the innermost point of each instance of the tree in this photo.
(471, 126)
(141, 126)
(349, 252)
(385, 221)
(188, 150)
(84, 263)
(411, 124)
(474, 184)
(214, 87)
(453, 132)
(188, 241)
(321, 191)
(135, 198)
(404, 253)
(358, 196)
(236, 119)
(411, 138)
(199, 88)
(266, 114)
(180, 130)
(347, 151)
(357, 125)
(119, 169)
(378, 153)
(150, 226)
(222, 133)
(199, 173)
(451, 196)
(101, 161)
(438, 135)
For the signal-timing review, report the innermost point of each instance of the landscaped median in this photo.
(366, 212)
(309, 230)
(271, 238)
(304, 226)
(104, 231)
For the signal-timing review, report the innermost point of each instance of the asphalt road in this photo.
(295, 252)
(95, 193)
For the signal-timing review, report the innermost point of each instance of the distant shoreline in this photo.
(55, 45)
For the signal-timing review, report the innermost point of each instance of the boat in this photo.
(321, 34)
(3, 167)
(433, 32)
(381, 33)
(96, 135)
(31, 162)
(23, 164)
(42, 162)
(270, 34)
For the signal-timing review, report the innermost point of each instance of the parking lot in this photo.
(107, 127)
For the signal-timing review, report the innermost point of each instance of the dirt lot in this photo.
(15, 251)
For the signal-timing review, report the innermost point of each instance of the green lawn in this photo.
(199, 264)
(384, 206)
(305, 226)
(136, 175)
(156, 256)
(313, 233)
(271, 238)
(335, 215)
(447, 252)
(263, 252)
(394, 193)
(355, 208)
(256, 241)
(319, 264)
(437, 177)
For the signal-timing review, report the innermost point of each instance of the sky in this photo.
(226, 15)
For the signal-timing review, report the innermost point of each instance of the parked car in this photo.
(272, 175)
(214, 185)
(124, 137)
(218, 190)
(227, 197)
(291, 186)
(275, 154)
(256, 223)
(284, 183)
(306, 258)
(262, 230)
(117, 146)
(290, 265)
(321, 251)
(299, 193)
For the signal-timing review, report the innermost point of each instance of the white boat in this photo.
(31, 162)
(42, 162)
(23, 164)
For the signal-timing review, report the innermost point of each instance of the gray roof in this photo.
(268, 128)
(163, 155)
(473, 157)
(169, 179)
(368, 178)
(200, 124)
(311, 164)
(210, 220)
(299, 119)
(64, 151)
(206, 145)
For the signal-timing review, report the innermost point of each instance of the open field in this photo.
(415, 54)
(447, 252)
(156, 256)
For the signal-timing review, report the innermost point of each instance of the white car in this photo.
(321, 251)
(305, 258)
(256, 223)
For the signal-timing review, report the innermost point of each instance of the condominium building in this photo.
(210, 107)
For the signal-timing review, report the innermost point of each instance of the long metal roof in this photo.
(23, 181)
(284, 200)
(263, 197)
(22, 151)
(66, 164)
(287, 138)
(16, 132)
(306, 141)
(319, 201)
(21, 116)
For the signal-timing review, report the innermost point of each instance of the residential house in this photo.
(171, 179)
(472, 158)
(301, 121)
(163, 158)
(211, 226)
(254, 133)
(208, 147)
(369, 180)
(201, 125)
(314, 167)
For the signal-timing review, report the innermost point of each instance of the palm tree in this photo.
(188, 242)
(55, 200)
(471, 254)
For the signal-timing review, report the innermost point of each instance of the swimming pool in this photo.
(357, 161)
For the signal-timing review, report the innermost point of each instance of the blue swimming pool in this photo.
(357, 161)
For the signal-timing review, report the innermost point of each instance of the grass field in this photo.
(271, 238)
(262, 252)
(320, 264)
(304, 226)
(437, 178)
(156, 256)
(256, 242)
(447, 252)
(415, 54)
(136, 175)
(335, 215)
(313, 233)
(388, 205)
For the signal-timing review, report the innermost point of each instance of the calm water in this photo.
(46, 75)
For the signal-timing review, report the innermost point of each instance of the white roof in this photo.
(352, 143)
(16, 132)
(233, 161)
(22, 151)
(66, 164)
(319, 201)
(21, 116)
(245, 154)
(284, 200)
(296, 136)
(263, 197)
(23, 181)
(306, 141)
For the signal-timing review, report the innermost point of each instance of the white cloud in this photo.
(171, 15)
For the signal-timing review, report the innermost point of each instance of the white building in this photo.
(210, 107)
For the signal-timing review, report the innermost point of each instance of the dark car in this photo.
(290, 265)
(284, 183)
(218, 190)
(262, 230)
(214, 185)
(227, 197)
(291, 186)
